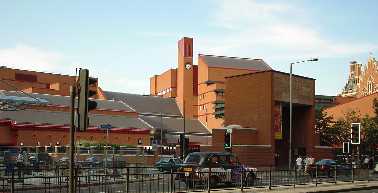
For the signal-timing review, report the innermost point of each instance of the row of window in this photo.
(165, 91)
(202, 96)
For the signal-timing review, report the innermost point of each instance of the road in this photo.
(363, 191)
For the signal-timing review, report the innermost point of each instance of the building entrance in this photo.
(299, 133)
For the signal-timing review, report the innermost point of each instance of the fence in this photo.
(148, 179)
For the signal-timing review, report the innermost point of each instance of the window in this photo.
(26, 77)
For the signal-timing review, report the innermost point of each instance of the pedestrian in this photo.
(19, 164)
(306, 163)
(366, 162)
(299, 163)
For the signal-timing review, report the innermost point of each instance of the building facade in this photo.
(362, 80)
(260, 101)
(199, 89)
(38, 104)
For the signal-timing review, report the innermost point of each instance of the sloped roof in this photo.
(172, 124)
(55, 117)
(66, 100)
(235, 62)
(146, 104)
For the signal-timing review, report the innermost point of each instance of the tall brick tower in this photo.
(185, 76)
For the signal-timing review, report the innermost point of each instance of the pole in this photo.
(183, 143)
(291, 114)
(72, 141)
(161, 132)
(106, 151)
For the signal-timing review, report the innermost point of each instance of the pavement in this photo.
(309, 188)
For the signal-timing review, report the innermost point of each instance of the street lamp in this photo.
(291, 104)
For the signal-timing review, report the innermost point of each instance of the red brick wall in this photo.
(31, 137)
(254, 156)
(248, 102)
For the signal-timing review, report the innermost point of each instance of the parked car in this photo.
(225, 169)
(63, 161)
(114, 161)
(168, 164)
(90, 162)
(327, 167)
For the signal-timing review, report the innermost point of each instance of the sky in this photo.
(123, 43)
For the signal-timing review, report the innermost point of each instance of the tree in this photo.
(323, 123)
(334, 132)
(370, 128)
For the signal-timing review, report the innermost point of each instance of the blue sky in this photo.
(123, 43)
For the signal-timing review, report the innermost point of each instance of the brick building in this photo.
(362, 79)
(199, 89)
(35, 111)
(260, 105)
(248, 97)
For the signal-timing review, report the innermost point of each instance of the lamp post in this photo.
(291, 105)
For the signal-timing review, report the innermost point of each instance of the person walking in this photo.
(19, 164)
(299, 163)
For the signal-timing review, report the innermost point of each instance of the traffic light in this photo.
(227, 139)
(85, 91)
(184, 145)
(355, 133)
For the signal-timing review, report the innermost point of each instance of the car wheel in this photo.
(213, 181)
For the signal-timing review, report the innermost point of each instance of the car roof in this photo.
(211, 153)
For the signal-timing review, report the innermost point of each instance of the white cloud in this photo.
(272, 30)
(30, 58)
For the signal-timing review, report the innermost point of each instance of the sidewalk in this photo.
(325, 187)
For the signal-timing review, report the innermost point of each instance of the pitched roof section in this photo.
(146, 104)
(66, 100)
(54, 117)
(175, 124)
(235, 62)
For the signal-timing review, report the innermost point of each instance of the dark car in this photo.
(327, 167)
(90, 162)
(225, 169)
(168, 164)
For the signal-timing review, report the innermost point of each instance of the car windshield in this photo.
(164, 159)
(193, 158)
(325, 162)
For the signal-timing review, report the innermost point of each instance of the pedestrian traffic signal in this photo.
(355, 133)
(346, 147)
(85, 87)
(227, 139)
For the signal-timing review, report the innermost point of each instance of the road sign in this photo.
(105, 126)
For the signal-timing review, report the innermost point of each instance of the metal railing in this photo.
(148, 179)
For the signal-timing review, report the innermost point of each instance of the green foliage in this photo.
(99, 145)
(370, 127)
(370, 130)
(334, 132)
